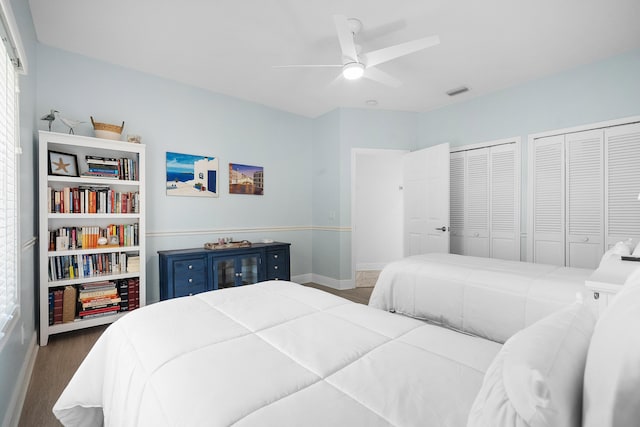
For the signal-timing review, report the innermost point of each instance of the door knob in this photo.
(443, 228)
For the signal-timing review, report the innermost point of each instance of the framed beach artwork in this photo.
(190, 175)
(245, 179)
(62, 164)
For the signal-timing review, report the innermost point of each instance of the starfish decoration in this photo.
(61, 165)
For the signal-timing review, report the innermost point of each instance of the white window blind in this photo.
(8, 191)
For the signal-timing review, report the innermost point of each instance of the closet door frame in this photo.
(530, 153)
(517, 143)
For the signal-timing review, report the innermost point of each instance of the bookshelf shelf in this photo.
(63, 230)
(91, 279)
(99, 250)
(84, 323)
(112, 216)
(85, 180)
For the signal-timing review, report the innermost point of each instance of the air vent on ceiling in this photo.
(457, 91)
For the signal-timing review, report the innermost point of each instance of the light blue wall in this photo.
(335, 135)
(174, 117)
(16, 349)
(326, 195)
(604, 90)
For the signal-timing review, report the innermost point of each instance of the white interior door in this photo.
(584, 199)
(376, 207)
(477, 203)
(505, 202)
(622, 183)
(457, 209)
(426, 200)
(548, 200)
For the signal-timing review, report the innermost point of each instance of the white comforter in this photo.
(275, 354)
(488, 297)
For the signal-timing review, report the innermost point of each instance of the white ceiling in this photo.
(230, 46)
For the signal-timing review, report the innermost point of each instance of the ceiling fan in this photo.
(356, 64)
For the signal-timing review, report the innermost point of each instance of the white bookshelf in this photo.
(82, 146)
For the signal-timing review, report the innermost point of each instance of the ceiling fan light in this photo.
(353, 71)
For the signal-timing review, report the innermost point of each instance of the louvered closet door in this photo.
(548, 200)
(477, 203)
(457, 170)
(622, 183)
(504, 207)
(584, 209)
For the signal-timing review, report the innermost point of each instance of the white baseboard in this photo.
(12, 417)
(331, 282)
(302, 278)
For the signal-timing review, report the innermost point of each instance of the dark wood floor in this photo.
(56, 363)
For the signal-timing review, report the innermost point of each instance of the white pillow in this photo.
(536, 379)
(620, 248)
(612, 373)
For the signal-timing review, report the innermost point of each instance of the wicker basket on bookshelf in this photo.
(107, 130)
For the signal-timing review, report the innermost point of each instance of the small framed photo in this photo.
(63, 164)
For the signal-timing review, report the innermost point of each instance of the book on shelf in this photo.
(58, 296)
(100, 303)
(86, 296)
(133, 264)
(84, 314)
(134, 293)
(123, 292)
(101, 160)
(69, 304)
(50, 307)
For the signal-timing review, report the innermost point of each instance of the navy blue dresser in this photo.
(191, 271)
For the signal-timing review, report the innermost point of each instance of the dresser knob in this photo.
(190, 280)
(275, 256)
(275, 267)
(190, 267)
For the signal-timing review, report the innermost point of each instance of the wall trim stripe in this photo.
(275, 229)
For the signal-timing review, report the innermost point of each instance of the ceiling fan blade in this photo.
(345, 37)
(335, 82)
(309, 66)
(392, 52)
(381, 77)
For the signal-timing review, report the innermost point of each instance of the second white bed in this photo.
(455, 291)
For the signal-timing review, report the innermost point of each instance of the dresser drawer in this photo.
(186, 267)
(189, 276)
(277, 265)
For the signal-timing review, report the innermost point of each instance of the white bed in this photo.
(281, 354)
(454, 290)
(275, 354)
